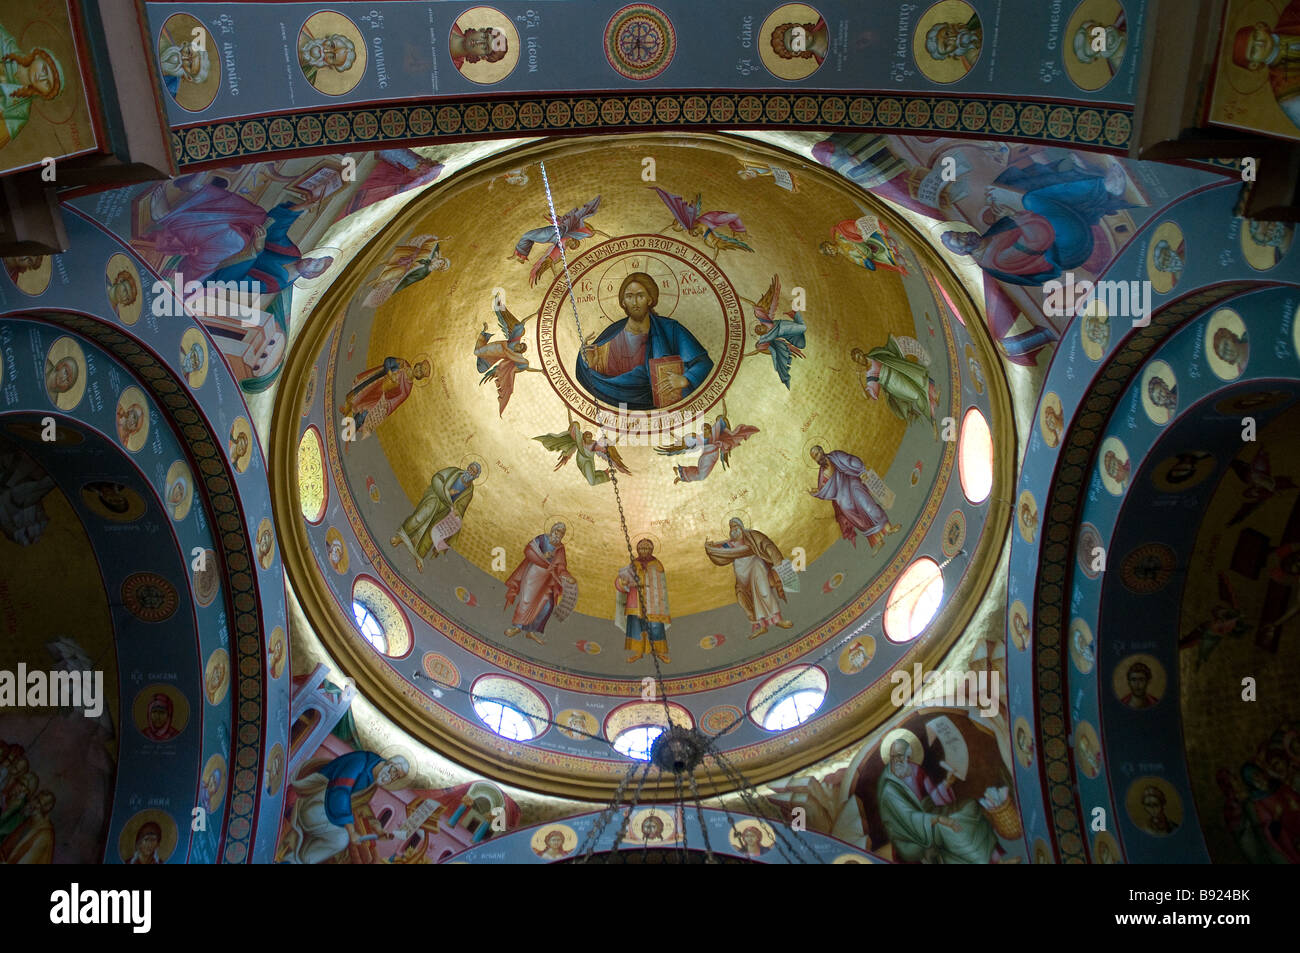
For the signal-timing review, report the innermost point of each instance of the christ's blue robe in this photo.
(667, 338)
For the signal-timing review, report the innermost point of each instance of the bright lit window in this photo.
(794, 709)
(370, 627)
(637, 742)
(975, 457)
(505, 720)
(914, 601)
(788, 698)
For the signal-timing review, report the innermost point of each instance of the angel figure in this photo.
(690, 219)
(500, 361)
(1261, 484)
(573, 228)
(714, 444)
(412, 261)
(588, 450)
(780, 338)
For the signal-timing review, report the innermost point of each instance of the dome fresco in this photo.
(810, 393)
(804, 428)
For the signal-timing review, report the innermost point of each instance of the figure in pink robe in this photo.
(537, 584)
(839, 481)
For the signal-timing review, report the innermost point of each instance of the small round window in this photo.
(975, 457)
(788, 698)
(914, 601)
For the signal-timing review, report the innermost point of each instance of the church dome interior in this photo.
(816, 434)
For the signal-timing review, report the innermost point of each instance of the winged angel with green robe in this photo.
(579, 443)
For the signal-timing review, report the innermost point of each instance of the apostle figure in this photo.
(379, 391)
(956, 41)
(334, 52)
(32, 841)
(646, 625)
(538, 582)
(24, 76)
(395, 171)
(1138, 677)
(1053, 230)
(23, 486)
(207, 226)
(754, 558)
(413, 260)
(1153, 803)
(840, 480)
(1276, 49)
(864, 242)
(323, 815)
(924, 820)
(159, 725)
(910, 392)
(472, 45)
(433, 527)
(643, 361)
(801, 41)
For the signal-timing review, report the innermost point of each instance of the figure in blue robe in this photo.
(666, 338)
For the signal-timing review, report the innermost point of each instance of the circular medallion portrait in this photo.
(1159, 392)
(277, 653)
(484, 45)
(954, 533)
(1094, 330)
(178, 491)
(1027, 516)
(160, 712)
(652, 826)
(240, 444)
(1087, 749)
(194, 357)
(752, 837)
(640, 41)
(1139, 681)
(1082, 653)
(274, 769)
(265, 544)
(1091, 553)
(1113, 465)
(1265, 244)
(190, 61)
(132, 419)
(1105, 850)
(1148, 568)
(29, 273)
(793, 41)
(857, 655)
(331, 53)
(149, 597)
(1154, 806)
(122, 285)
(948, 40)
(554, 841)
(113, 501)
(578, 725)
(149, 837)
(1018, 625)
(1023, 740)
(1051, 419)
(1166, 253)
(212, 784)
(65, 373)
(1227, 348)
(337, 550)
(1182, 471)
(216, 676)
(207, 578)
(1094, 43)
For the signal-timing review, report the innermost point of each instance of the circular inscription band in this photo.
(693, 291)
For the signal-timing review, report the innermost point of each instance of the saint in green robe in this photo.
(906, 384)
(451, 488)
(909, 822)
